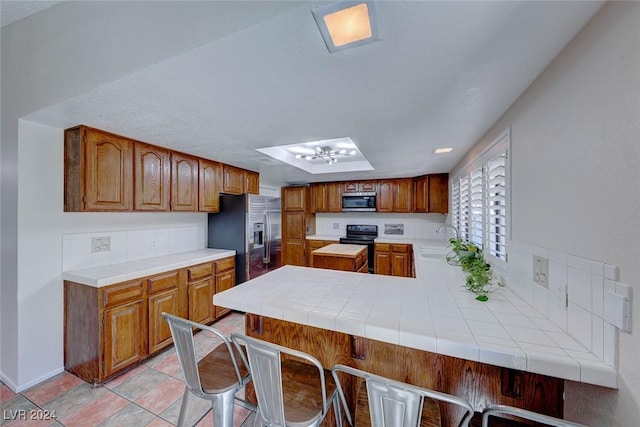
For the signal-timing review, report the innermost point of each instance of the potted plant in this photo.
(479, 277)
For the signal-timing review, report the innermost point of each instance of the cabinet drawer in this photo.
(400, 248)
(200, 271)
(382, 247)
(122, 292)
(225, 264)
(162, 281)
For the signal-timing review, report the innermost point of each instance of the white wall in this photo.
(416, 226)
(41, 226)
(575, 151)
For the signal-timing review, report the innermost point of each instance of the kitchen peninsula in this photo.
(426, 330)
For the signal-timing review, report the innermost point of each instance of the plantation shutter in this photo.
(455, 204)
(476, 207)
(496, 198)
(465, 217)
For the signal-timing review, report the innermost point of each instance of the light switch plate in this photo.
(617, 311)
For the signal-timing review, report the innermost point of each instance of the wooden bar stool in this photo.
(290, 392)
(216, 377)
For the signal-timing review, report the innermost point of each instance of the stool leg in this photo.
(183, 407)
(222, 406)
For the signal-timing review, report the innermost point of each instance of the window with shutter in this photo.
(480, 199)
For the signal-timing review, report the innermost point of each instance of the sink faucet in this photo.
(445, 226)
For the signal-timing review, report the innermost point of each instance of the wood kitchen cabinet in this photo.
(318, 197)
(98, 171)
(209, 185)
(225, 278)
(395, 195)
(359, 187)
(233, 180)
(393, 259)
(184, 182)
(341, 257)
(152, 171)
(312, 245)
(432, 193)
(251, 182)
(205, 280)
(297, 222)
(166, 293)
(334, 197)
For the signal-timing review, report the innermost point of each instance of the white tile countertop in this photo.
(432, 312)
(115, 273)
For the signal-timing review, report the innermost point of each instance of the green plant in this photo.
(479, 277)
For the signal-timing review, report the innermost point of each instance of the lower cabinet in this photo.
(393, 259)
(312, 245)
(110, 328)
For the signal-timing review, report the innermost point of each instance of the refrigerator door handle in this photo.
(267, 239)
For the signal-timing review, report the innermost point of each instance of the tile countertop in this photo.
(432, 312)
(115, 273)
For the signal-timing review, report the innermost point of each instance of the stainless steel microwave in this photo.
(359, 202)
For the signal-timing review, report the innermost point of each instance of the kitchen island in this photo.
(341, 257)
(427, 330)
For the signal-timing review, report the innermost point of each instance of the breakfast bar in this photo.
(426, 331)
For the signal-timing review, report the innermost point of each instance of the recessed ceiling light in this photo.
(346, 24)
(443, 150)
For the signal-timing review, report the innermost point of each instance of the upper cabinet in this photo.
(251, 182)
(98, 172)
(152, 170)
(233, 180)
(395, 195)
(359, 186)
(111, 173)
(184, 182)
(326, 197)
(432, 193)
(209, 185)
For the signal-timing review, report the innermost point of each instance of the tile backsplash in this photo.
(129, 245)
(413, 226)
(574, 298)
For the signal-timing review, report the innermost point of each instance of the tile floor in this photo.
(148, 395)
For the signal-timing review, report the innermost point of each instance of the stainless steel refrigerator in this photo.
(250, 225)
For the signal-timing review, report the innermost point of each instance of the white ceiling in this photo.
(14, 10)
(441, 75)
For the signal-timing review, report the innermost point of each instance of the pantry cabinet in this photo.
(297, 222)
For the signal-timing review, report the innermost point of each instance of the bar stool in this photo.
(500, 410)
(289, 392)
(216, 377)
(397, 404)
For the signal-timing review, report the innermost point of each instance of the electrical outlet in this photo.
(336, 226)
(100, 244)
(541, 271)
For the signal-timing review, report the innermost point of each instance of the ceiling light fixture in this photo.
(327, 154)
(443, 150)
(346, 24)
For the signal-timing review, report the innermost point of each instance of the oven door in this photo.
(358, 202)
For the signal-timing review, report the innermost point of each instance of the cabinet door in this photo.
(403, 195)
(439, 193)
(251, 182)
(350, 187)
(152, 170)
(224, 281)
(201, 301)
(294, 225)
(209, 185)
(124, 336)
(312, 245)
(367, 186)
(318, 198)
(421, 191)
(294, 198)
(293, 252)
(233, 180)
(382, 263)
(108, 173)
(184, 182)
(334, 197)
(159, 332)
(400, 264)
(385, 196)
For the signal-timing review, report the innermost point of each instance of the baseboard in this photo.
(22, 387)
